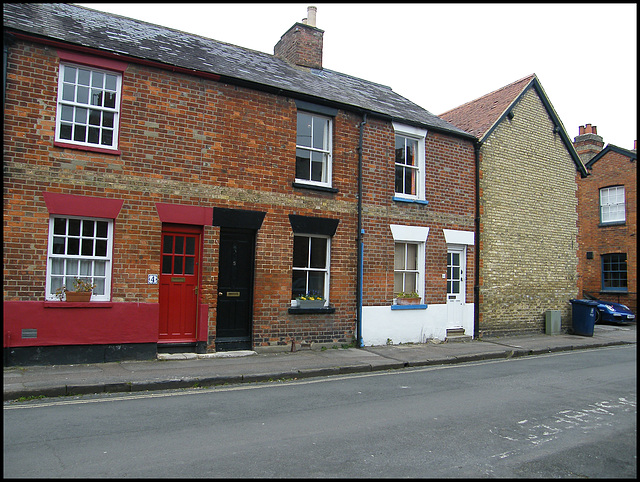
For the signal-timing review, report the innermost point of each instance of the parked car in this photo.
(609, 312)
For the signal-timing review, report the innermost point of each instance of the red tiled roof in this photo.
(478, 116)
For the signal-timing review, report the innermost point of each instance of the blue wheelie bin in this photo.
(583, 316)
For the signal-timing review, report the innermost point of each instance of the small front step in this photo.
(456, 335)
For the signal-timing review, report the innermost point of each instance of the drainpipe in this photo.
(476, 274)
(360, 240)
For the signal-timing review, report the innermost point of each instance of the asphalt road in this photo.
(569, 414)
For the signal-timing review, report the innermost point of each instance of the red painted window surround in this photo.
(92, 60)
(87, 206)
(97, 62)
(177, 214)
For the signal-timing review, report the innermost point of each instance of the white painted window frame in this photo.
(327, 151)
(327, 268)
(61, 103)
(612, 205)
(414, 235)
(419, 135)
(51, 256)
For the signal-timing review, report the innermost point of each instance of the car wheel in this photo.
(598, 316)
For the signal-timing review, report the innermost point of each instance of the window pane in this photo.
(300, 252)
(87, 247)
(303, 162)
(191, 246)
(69, 74)
(189, 265)
(74, 227)
(110, 100)
(166, 264)
(102, 229)
(79, 133)
(68, 92)
(59, 226)
(412, 256)
(304, 130)
(99, 268)
(107, 138)
(94, 117)
(71, 268)
(83, 77)
(397, 283)
(65, 131)
(318, 253)
(107, 119)
(400, 149)
(177, 265)
(99, 289)
(412, 149)
(73, 246)
(87, 228)
(398, 262)
(67, 113)
(96, 97)
(97, 80)
(94, 135)
(168, 244)
(179, 246)
(410, 284)
(85, 267)
(81, 115)
(399, 179)
(111, 82)
(320, 133)
(57, 266)
(83, 95)
(316, 283)
(299, 284)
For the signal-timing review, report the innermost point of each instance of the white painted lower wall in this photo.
(381, 323)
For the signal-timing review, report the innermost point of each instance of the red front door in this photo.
(179, 281)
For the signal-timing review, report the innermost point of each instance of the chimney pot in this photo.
(311, 16)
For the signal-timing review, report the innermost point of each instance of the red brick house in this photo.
(203, 188)
(607, 218)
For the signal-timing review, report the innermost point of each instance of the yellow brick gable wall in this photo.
(528, 217)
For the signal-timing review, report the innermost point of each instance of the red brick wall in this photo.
(613, 169)
(187, 141)
(449, 188)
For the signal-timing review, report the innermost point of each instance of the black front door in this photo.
(235, 294)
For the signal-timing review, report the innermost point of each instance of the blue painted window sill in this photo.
(409, 307)
(411, 201)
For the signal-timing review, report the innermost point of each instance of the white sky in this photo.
(441, 56)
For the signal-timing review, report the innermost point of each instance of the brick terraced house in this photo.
(608, 220)
(203, 188)
(528, 231)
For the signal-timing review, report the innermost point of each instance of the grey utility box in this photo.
(553, 322)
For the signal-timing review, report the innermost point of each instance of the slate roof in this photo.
(482, 116)
(135, 39)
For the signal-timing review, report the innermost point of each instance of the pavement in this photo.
(189, 370)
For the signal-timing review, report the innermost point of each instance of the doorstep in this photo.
(194, 356)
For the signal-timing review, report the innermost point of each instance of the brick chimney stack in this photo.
(588, 143)
(301, 45)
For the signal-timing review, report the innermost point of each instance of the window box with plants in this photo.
(82, 291)
(409, 298)
(310, 301)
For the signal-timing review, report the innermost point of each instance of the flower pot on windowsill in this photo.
(408, 301)
(78, 296)
(310, 304)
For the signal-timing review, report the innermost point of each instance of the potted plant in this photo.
(310, 300)
(408, 298)
(82, 290)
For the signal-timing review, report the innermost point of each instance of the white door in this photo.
(456, 276)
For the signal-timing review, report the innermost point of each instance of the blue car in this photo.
(609, 312)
